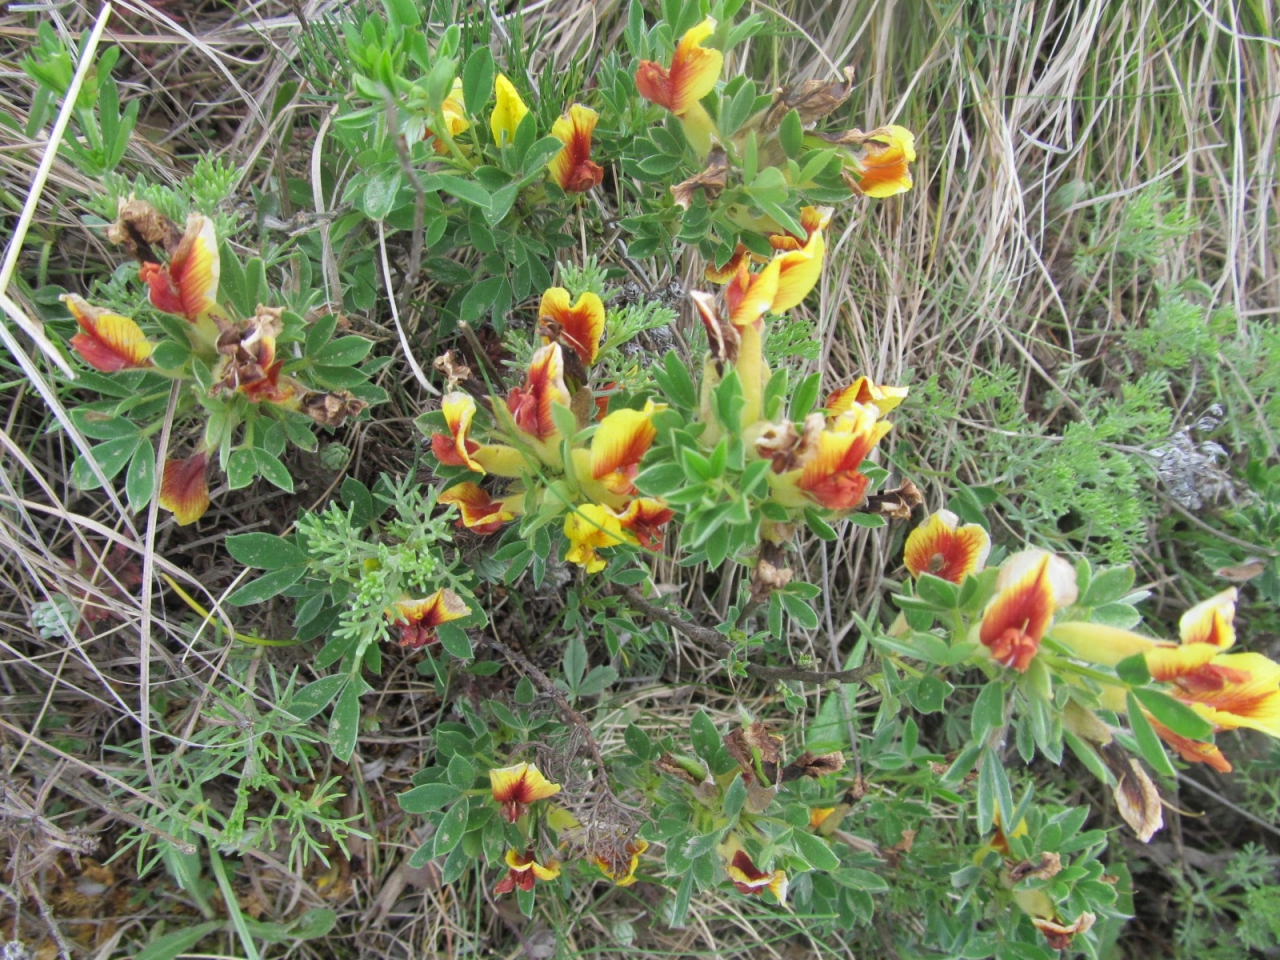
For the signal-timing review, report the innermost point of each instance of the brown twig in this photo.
(711, 638)
(544, 683)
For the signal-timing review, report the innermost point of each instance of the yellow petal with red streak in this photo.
(940, 547)
(184, 488)
(1249, 694)
(798, 272)
(583, 322)
(573, 168)
(109, 341)
(863, 390)
(692, 75)
(1211, 621)
(620, 443)
(480, 512)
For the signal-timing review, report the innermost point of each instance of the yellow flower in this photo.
(507, 112)
(588, 527)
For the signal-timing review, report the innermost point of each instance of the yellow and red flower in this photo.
(589, 527)
(184, 488)
(883, 169)
(643, 519)
(863, 390)
(798, 272)
(580, 325)
(730, 269)
(1033, 585)
(751, 880)
(454, 111)
(530, 405)
(524, 871)
(942, 548)
(812, 219)
(188, 285)
(622, 870)
(456, 449)
(480, 513)
(830, 476)
(514, 788)
(619, 444)
(508, 111)
(692, 75)
(418, 619)
(108, 341)
(573, 168)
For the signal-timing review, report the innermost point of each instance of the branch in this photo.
(543, 683)
(712, 638)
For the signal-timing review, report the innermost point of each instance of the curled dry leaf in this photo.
(1137, 798)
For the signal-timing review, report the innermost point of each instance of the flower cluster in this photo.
(818, 464)
(572, 168)
(1032, 587)
(240, 353)
(589, 481)
(875, 163)
(515, 789)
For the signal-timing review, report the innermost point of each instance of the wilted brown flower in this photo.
(809, 765)
(812, 100)
(710, 181)
(330, 409)
(139, 225)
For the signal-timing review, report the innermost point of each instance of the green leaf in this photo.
(675, 383)
(816, 850)
(380, 191)
(452, 826)
(429, 797)
(240, 468)
(1149, 744)
(938, 592)
(988, 710)
(477, 79)
(265, 551)
(465, 190)
(1175, 715)
(638, 742)
(111, 458)
(344, 352)
(344, 722)
(735, 797)
(575, 662)
(680, 904)
(1107, 586)
(705, 737)
(597, 681)
(314, 697)
(791, 134)
(994, 794)
(266, 586)
(821, 529)
(140, 481)
(461, 773)
(1133, 670)
(270, 467)
(455, 641)
(799, 610)
(172, 944)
